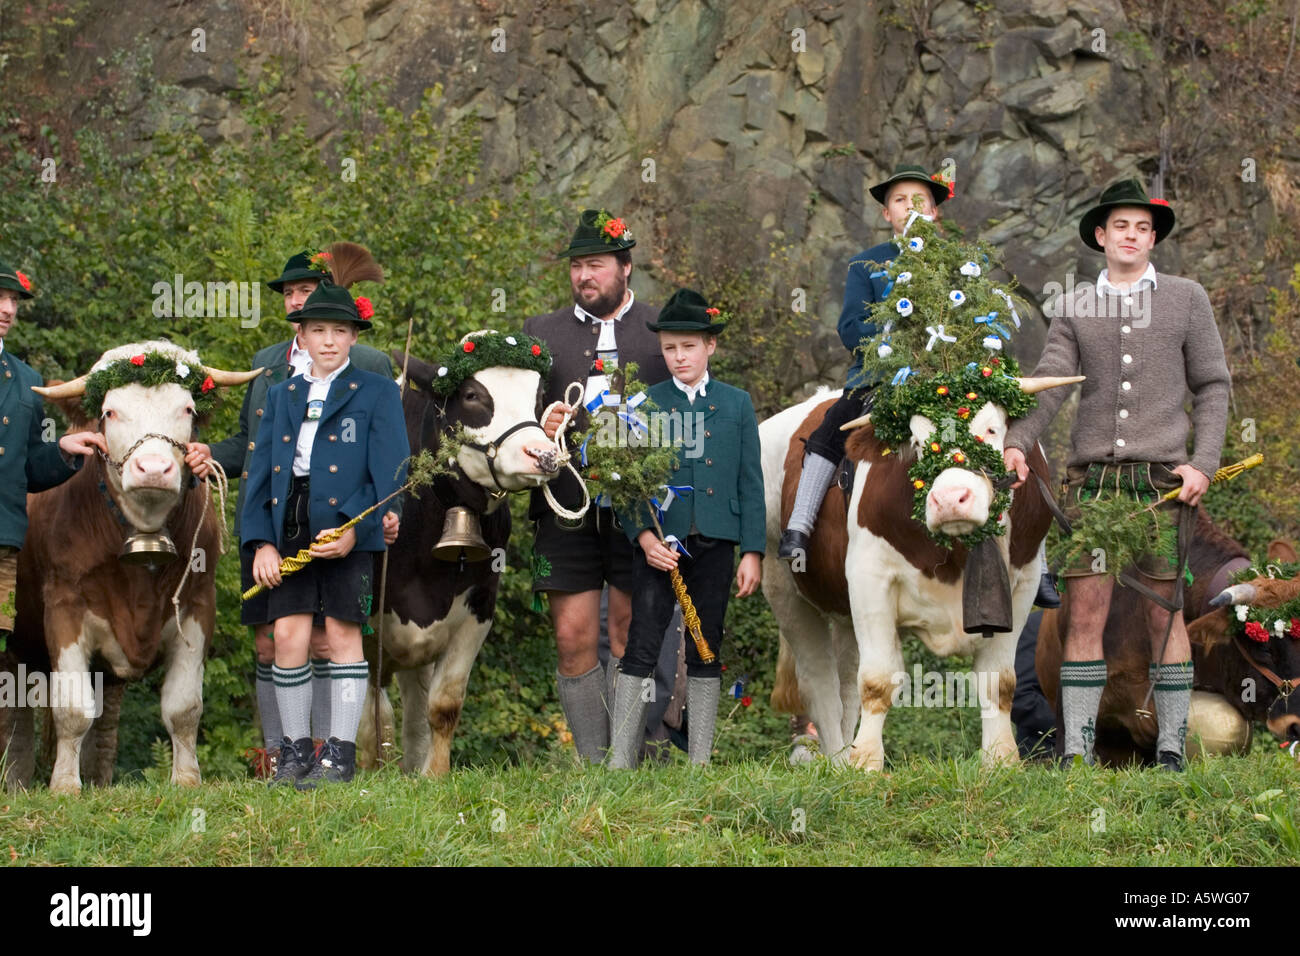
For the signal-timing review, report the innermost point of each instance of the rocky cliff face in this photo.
(787, 111)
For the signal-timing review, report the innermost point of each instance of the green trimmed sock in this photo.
(1081, 685)
(348, 696)
(320, 697)
(267, 708)
(293, 697)
(1173, 698)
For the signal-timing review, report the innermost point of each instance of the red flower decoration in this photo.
(364, 308)
(600, 364)
(746, 701)
(986, 371)
(137, 359)
(1161, 202)
(972, 396)
(963, 411)
(1295, 627)
(468, 346)
(712, 312)
(941, 390)
(615, 228)
(23, 281)
(980, 439)
(208, 385)
(1255, 631)
(996, 361)
(536, 349)
(958, 457)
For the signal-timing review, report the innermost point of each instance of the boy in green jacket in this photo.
(725, 508)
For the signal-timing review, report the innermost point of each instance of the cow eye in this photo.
(108, 413)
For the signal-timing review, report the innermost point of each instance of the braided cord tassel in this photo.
(689, 616)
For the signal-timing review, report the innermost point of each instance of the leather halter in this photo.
(1284, 687)
(490, 449)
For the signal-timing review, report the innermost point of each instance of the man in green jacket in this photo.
(299, 278)
(30, 459)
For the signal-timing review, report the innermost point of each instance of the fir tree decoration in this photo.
(488, 349)
(940, 353)
(150, 369)
(1116, 530)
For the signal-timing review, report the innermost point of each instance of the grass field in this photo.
(1221, 812)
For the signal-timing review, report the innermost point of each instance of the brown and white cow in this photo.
(872, 573)
(438, 614)
(81, 610)
(1124, 737)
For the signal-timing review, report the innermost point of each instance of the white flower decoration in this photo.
(510, 340)
(904, 306)
(970, 269)
(1279, 626)
(904, 276)
(614, 476)
(992, 343)
(884, 351)
(182, 370)
(442, 371)
(957, 296)
(916, 243)
(1242, 610)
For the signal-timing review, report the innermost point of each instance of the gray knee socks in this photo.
(813, 482)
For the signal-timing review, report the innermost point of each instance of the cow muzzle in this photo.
(958, 502)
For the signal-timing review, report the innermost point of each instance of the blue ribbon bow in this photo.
(991, 321)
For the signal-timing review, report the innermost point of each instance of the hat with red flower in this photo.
(940, 188)
(688, 311)
(348, 263)
(598, 231)
(14, 280)
(1126, 192)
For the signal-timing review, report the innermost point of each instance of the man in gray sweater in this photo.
(1144, 340)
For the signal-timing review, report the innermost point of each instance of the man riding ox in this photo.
(439, 606)
(99, 587)
(874, 572)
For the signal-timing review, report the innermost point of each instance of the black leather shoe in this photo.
(792, 543)
(336, 763)
(1168, 760)
(294, 762)
(1047, 596)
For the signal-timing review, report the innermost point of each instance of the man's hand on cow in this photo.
(334, 549)
(657, 554)
(1195, 482)
(391, 525)
(552, 423)
(83, 443)
(266, 566)
(197, 456)
(749, 574)
(1014, 459)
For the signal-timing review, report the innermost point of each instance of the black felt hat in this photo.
(687, 311)
(334, 303)
(300, 266)
(13, 279)
(940, 191)
(598, 232)
(1126, 192)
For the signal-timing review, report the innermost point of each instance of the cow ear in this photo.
(922, 428)
(1210, 630)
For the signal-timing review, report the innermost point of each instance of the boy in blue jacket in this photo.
(725, 509)
(331, 444)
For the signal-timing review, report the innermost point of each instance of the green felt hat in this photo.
(939, 190)
(598, 231)
(687, 311)
(1126, 192)
(13, 279)
(333, 302)
(300, 266)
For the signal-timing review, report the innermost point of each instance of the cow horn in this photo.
(220, 376)
(72, 389)
(856, 423)
(1243, 593)
(1031, 385)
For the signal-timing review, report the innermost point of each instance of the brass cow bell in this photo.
(461, 537)
(150, 548)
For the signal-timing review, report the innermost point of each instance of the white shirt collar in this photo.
(299, 359)
(2, 346)
(1104, 285)
(328, 378)
(583, 314)
(693, 390)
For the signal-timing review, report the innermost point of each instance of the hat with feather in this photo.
(348, 263)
